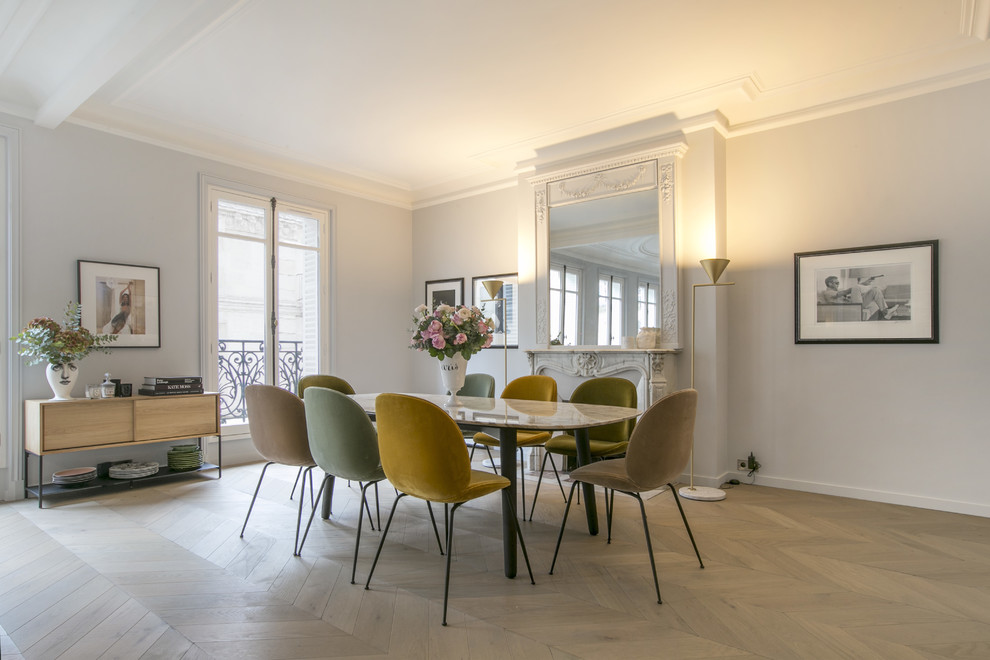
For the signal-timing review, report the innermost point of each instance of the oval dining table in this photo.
(508, 416)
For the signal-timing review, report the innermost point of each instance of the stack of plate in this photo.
(185, 457)
(74, 476)
(133, 470)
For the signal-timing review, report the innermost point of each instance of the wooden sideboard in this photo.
(56, 427)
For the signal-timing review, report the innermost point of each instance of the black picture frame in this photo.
(121, 299)
(450, 292)
(505, 314)
(877, 294)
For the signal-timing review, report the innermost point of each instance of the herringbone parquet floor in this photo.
(160, 572)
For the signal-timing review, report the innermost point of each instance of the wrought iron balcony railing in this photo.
(242, 363)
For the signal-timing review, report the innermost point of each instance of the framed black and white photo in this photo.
(867, 295)
(444, 292)
(122, 300)
(503, 310)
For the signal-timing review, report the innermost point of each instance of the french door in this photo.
(268, 296)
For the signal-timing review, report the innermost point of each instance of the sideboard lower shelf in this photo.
(74, 425)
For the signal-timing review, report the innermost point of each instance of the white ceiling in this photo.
(410, 101)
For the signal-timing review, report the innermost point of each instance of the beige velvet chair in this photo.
(658, 452)
(277, 421)
(424, 455)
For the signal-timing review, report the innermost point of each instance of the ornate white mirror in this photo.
(606, 259)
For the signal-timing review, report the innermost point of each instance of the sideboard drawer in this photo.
(70, 426)
(175, 417)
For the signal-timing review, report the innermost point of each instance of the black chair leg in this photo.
(686, 525)
(388, 523)
(296, 482)
(378, 508)
(433, 520)
(539, 482)
(563, 523)
(649, 545)
(364, 503)
(256, 489)
(450, 541)
(296, 549)
(357, 543)
(519, 533)
(609, 510)
(323, 485)
(556, 474)
(522, 481)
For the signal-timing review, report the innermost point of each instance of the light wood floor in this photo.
(161, 572)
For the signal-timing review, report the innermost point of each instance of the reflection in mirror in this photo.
(604, 262)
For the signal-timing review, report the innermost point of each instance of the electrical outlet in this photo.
(741, 465)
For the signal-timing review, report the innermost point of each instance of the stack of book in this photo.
(165, 385)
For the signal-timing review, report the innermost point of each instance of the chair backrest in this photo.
(323, 380)
(531, 388)
(660, 446)
(478, 385)
(423, 451)
(277, 420)
(342, 438)
(608, 392)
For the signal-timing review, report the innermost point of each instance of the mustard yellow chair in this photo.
(605, 441)
(528, 388)
(424, 455)
(658, 452)
(277, 422)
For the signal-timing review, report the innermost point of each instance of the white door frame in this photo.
(11, 453)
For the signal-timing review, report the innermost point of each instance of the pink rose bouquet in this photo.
(448, 330)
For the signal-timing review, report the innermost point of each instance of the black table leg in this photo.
(328, 498)
(507, 456)
(583, 446)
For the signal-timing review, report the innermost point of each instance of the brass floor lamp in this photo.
(714, 268)
(493, 287)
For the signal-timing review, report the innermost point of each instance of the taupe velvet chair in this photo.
(658, 452)
(277, 421)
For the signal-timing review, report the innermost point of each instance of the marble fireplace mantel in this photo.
(654, 366)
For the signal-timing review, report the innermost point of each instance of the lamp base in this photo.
(701, 493)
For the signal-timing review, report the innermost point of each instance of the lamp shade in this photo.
(492, 287)
(714, 268)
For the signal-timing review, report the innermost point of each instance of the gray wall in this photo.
(95, 196)
(901, 423)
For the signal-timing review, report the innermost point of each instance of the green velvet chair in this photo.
(424, 455)
(481, 385)
(606, 441)
(658, 452)
(344, 444)
(319, 380)
(277, 422)
(528, 388)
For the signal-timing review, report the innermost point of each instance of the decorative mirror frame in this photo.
(606, 178)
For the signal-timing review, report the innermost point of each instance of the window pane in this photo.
(555, 314)
(241, 322)
(570, 320)
(298, 314)
(603, 319)
(240, 219)
(296, 229)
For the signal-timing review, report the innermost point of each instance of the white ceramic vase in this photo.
(452, 372)
(62, 378)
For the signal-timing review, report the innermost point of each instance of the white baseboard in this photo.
(905, 499)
